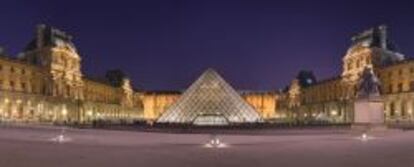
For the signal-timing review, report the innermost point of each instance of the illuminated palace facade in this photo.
(333, 99)
(44, 83)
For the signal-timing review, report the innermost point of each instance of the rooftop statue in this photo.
(368, 86)
(50, 36)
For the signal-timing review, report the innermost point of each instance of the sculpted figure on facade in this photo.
(368, 85)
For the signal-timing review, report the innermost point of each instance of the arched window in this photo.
(400, 87)
(67, 91)
(403, 109)
(23, 86)
(392, 109)
(367, 60)
(349, 65)
(358, 63)
(11, 85)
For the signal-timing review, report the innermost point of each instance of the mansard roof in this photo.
(374, 37)
(47, 36)
(247, 92)
(100, 80)
(405, 61)
(163, 92)
(15, 60)
(325, 81)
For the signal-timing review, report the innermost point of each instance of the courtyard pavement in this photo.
(37, 147)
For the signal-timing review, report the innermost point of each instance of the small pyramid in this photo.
(210, 101)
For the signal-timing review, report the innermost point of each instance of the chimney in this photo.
(40, 34)
(383, 36)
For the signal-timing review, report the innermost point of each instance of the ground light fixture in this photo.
(365, 137)
(215, 142)
(61, 137)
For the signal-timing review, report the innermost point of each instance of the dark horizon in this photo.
(166, 45)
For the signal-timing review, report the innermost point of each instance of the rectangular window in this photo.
(400, 87)
(392, 109)
(390, 88)
(349, 66)
(23, 85)
(11, 85)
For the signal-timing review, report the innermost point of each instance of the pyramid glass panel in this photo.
(210, 101)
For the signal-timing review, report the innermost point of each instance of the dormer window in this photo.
(400, 87)
(23, 86)
(349, 65)
(358, 63)
(367, 60)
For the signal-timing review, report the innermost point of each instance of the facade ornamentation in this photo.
(45, 84)
(371, 52)
(368, 85)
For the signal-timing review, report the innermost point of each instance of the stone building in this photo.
(45, 84)
(333, 99)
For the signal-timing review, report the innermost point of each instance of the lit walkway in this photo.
(33, 147)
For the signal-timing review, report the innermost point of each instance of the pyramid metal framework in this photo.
(210, 101)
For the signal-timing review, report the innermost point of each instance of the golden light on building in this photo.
(334, 113)
(64, 112)
(47, 76)
(89, 113)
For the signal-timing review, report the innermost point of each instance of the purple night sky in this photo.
(165, 45)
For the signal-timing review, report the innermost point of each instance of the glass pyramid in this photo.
(210, 101)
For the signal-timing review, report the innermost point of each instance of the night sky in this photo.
(165, 45)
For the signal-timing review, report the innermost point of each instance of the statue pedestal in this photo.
(369, 114)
